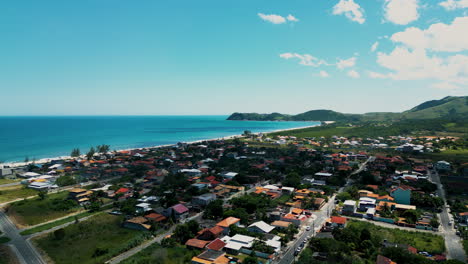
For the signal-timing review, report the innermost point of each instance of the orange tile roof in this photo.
(228, 221)
(196, 243)
(296, 211)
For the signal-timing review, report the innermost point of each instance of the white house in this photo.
(260, 227)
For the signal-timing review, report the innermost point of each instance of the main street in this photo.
(453, 242)
(320, 218)
(25, 252)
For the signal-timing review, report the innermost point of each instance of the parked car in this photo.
(308, 228)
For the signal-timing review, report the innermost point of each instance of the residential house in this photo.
(227, 223)
(384, 260)
(210, 233)
(204, 199)
(349, 207)
(260, 227)
(179, 211)
(281, 224)
(337, 221)
(137, 223)
(236, 243)
(196, 243)
(442, 166)
(216, 245)
(211, 257)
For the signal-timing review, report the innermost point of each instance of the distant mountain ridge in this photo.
(450, 106)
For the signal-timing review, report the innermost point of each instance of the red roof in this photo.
(412, 250)
(196, 243)
(338, 220)
(180, 208)
(216, 244)
(122, 190)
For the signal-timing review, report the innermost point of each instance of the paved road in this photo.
(156, 239)
(453, 243)
(320, 218)
(25, 252)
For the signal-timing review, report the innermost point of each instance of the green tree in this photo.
(250, 260)
(214, 210)
(90, 153)
(42, 195)
(75, 152)
(59, 234)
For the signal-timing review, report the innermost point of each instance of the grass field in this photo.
(15, 192)
(6, 181)
(54, 224)
(465, 246)
(450, 155)
(313, 132)
(80, 241)
(35, 211)
(160, 255)
(422, 241)
(7, 256)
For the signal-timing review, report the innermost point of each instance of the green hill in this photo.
(448, 107)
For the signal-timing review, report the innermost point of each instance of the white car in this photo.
(308, 228)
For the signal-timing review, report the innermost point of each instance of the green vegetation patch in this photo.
(6, 181)
(15, 192)
(95, 240)
(4, 240)
(42, 209)
(50, 225)
(422, 241)
(156, 254)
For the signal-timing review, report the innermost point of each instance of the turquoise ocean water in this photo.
(47, 137)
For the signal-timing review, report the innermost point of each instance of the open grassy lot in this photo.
(35, 211)
(55, 223)
(421, 241)
(6, 181)
(313, 132)
(450, 155)
(95, 240)
(159, 255)
(7, 256)
(15, 192)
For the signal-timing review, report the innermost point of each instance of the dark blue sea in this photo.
(47, 137)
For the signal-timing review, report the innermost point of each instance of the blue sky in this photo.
(216, 57)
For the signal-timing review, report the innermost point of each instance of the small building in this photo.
(319, 203)
(349, 207)
(210, 257)
(204, 199)
(366, 203)
(143, 207)
(226, 223)
(281, 224)
(29, 175)
(210, 233)
(216, 245)
(338, 221)
(137, 223)
(196, 243)
(260, 227)
(442, 166)
(236, 243)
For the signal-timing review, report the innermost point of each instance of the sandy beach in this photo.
(46, 160)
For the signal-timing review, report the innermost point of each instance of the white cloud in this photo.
(374, 46)
(438, 37)
(445, 86)
(304, 59)
(353, 74)
(351, 10)
(324, 74)
(292, 18)
(418, 56)
(454, 4)
(401, 12)
(376, 75)
(417, 65)
(275, 19)
(341, 64)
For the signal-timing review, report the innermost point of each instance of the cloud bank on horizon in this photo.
(437, 52)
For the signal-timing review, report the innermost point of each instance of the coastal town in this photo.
(256, 198)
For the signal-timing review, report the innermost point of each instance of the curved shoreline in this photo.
(14, 164)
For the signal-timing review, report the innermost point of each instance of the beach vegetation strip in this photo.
(42, 209)
(94, 240)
